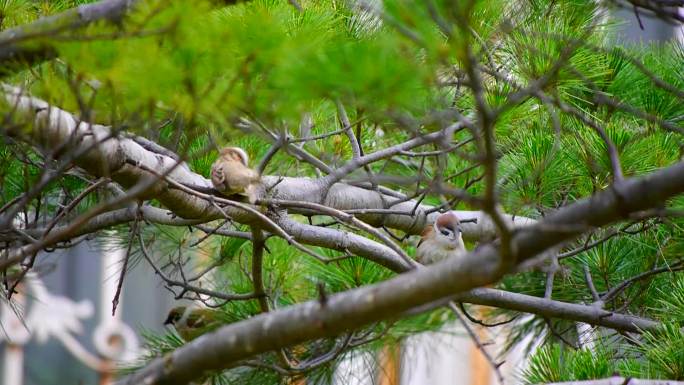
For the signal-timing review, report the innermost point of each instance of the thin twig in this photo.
(127, 257)
(590, 284)
(495, 366)
(188, 287)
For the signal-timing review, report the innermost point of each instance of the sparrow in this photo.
(441, 240)
(231, 175)
(191, 322)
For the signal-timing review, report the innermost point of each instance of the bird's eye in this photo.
(444, 232)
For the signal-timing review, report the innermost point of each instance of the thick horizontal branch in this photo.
(118, 217)
(345, 241)
(111, 155)
(592, 315)
(383, 255)
(115, 158)
(356, 308)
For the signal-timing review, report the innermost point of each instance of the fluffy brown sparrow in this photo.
(231, 175)
(441, 240)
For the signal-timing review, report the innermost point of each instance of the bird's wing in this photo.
(198, 319)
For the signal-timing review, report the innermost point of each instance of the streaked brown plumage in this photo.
(441, 240)
(231, 175)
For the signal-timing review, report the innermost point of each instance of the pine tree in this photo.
(559, 148)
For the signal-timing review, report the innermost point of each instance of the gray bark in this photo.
(356, 308)
(592, 315)
(117, 156)
(114, 154)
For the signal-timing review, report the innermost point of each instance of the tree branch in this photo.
(355, 308)
(592, 315)
(116, 157)
(18, 46)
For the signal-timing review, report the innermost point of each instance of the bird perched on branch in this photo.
(441, 240)
(231, 175)
(192, 322)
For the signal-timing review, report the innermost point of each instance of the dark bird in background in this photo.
(192, 322)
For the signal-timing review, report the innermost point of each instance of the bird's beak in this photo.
(169, 320)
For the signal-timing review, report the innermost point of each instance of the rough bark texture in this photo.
(592, 315)
(114, 155)
(355, 308)
(125, 161)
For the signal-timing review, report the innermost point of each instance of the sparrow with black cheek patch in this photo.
(192, 322)
(441, 240)
(231, 175)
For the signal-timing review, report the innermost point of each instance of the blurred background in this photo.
(67, 333)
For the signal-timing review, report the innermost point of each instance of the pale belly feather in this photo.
(428, 253)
